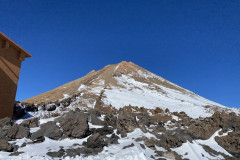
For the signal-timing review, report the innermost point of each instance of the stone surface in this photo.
(125, 123)
(95, 141)
(22, 132)
(33, 122)
(5, 146)
(231, 143)
(57, 154)
(49, 129)
(75, 124)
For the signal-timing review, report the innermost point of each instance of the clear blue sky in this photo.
(193, 43)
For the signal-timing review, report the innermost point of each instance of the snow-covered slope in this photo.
(125, 84)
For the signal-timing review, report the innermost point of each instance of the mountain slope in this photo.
(125, 84)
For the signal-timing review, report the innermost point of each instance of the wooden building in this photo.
(11, 57)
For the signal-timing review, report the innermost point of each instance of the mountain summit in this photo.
(124, 84)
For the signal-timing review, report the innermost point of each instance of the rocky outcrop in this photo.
(74, 124)
(31, 123)
(173, 139)
(95, 141)
(102, 131)
(231, 143)
(57, 154)
(49, 129)
(110, 120)
(126, 123)
(205, 128)
(18, 131)
(10, 130)
(5, 146)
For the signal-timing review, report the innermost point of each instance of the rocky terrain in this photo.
(120, 112)
(96, 133)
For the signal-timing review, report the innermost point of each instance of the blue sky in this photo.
(193, 43)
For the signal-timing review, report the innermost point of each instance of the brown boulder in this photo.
(74, 124)
(5, 146)
(49, 129)
(18, 132)
(33, 122)
(231, 143)
(126, 123)
(95, 141)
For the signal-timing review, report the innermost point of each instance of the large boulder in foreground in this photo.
(10, 130)
(74, 124)
(18, 131)
(5, 146)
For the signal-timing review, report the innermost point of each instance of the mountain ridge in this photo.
(126, 83)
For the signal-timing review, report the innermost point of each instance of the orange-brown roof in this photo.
(15, 45)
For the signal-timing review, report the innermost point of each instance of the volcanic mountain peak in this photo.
(124, 84)
(125, 67)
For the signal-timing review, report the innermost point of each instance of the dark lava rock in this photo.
(90, 151)
(94, 113)
(84, 151)
(49, 129)
(110, 120)
(30, 107)
(231, 143)
(12, 132)
(5, 125)
(5, 146)
(112, 140)
(95, 141)
(95, 120)
(73, 152)
(213, 152)
(51, 108)
(58, 154)
(15, 153)
(131, 145)
(173, 139)
(145, 119)
(5, 122)
(205, 128)
(18, 111)
(102, 131)
(33, 122)
(22, 132)
(74, 124)
(126, 122)
(18, 132)
(66, 102)
(205, 131)
(143, 146)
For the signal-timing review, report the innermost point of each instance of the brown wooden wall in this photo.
(10, 65)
